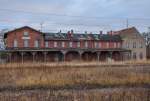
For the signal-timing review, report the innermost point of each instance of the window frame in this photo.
(15, 43)
(26, 43)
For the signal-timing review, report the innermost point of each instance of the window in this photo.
(55, 44)
(115, 45)
(141, 56)
(127, 45)
(26, 34)
(141, 45)
(46, 44)
(36, 43)
(100, 44)
(107, 44)
(96, 44)
(86, 44)
(26, 43)
(70, 44)
(134, 44)
(134, 56)
(118, 45)
(15, 43)
(63, 44)
(78, 44)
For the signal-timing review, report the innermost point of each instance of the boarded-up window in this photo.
(15, 43)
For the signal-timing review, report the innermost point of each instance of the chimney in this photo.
(72, 32)
(69, 34)
(100, 32)
(60, 31)
(108, 32)
(111, 32)
(85, 32)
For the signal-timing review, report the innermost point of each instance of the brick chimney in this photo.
(72, 32)
(69, 34)
(100, 32)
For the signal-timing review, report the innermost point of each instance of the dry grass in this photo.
(75, 81)
(70, 75)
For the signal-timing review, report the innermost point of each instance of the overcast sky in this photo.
(80, 15)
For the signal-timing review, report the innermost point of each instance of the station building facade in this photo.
(26, 44)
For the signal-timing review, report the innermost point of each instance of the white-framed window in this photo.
(25, 34)
(78, 44)
(55, 44)
(26, 43)
(127, 45)
(134, 44)
(63, 44)
(140, 45)
(107, 44)
(15, 43)
(86, 44)
(70, 44)
(36, 43)
(46, 44)
(118, 45)
(96, 44)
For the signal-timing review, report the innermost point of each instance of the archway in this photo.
(54, 56)
(104, 56)
(28, 57)
(116, 56)
(72, 56)
(39, 57)
(89, 56)
(16, 57)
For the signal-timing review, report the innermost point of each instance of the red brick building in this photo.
(27, 44)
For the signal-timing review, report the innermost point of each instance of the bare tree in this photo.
(146, 36)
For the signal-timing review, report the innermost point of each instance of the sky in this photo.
(79, 15)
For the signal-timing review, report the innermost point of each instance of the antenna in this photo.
(41, 25)
(127, 23)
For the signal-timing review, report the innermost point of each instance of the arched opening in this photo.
(72, 56)
(104, 56)
(116, 56)
(89, 56)
(16, 57)
(39, 57)
(94, 56)
(54, 56)
(28, 57)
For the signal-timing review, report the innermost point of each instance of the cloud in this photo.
(111, 14)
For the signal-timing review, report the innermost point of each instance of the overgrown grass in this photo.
(74, 75)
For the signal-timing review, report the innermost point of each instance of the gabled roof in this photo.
(5, 35)
(128, 31)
